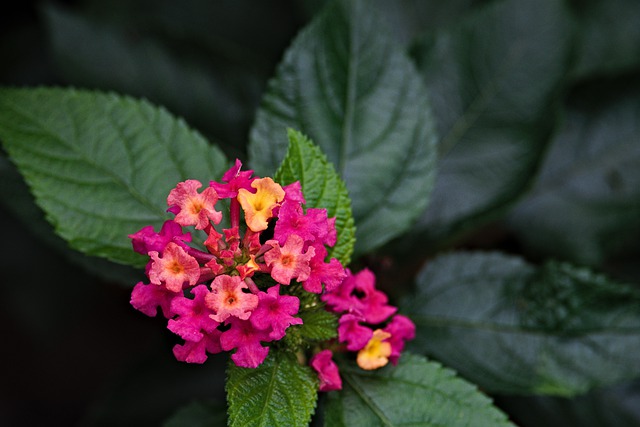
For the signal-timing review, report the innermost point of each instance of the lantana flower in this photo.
(227, 299)
(328, 373)
(193, 208)
(289, 261)
(258, 206)
(174, 268)
(241, 291)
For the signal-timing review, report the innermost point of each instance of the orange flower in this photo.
(258, 206)
(376, 353)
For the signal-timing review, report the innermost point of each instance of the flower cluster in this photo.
(363, 311)
(230, 291)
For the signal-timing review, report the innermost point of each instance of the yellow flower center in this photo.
(376, 353)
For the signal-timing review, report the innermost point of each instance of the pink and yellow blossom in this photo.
(258, 207)
(289, 262)
(193, 208)
(174, 269)
(227, 298)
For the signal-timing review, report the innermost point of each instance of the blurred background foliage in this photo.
(539, 123)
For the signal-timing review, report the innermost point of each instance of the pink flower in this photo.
(331, 273)
(175, 268)
(357, 294)
(193, 208)
(401, 329)
(146, 240)
(288, 262)
(292, 220)
(353, 333)
(193, 315)
(227, 299)
(147, 299)
(196, 351)
(293, 193)
(235, 180)
(327, 370)
(246, 339)
(275, 312)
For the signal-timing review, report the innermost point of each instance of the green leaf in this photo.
(101, 166)
(319, 324)
(616, 406)
(410, 19)
(492, 79)
(322, 188)
(199, 414)
(215, 98)
(586, 199)
(516, 329)
(16, 198)
(603, 48)
(347, 86)
(416, 392)
(280, 392)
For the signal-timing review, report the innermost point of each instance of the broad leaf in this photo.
(322, 188)
(616, 406)
(586, 199)
(280, 392)
(100, 165)
(355, 94)
(217, 98)
(492, 79)
(16, 198)
(416, 392)
(409, 19)
(515, 329)
(603, 48)
(199, 414)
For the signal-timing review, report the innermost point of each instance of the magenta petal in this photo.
(196, 351)
(328, 373)
(275, 312)
(147, 299)
(353, 333)
(330, 274)
(193, 315)
(235, 179)
(147, 240)
(250, 356)
(246, 339)
(401, 329)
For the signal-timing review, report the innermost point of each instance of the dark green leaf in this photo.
(99, 165)
(616, 406)
(319, 324)
(586, 199)
(492, 80)
(322, 188)
(609, 37)
(280, 392)
(350, 89)
(515, 329)
(199, 414)
(15, 196)
(216, 98)
(416, 392)
(409, 19)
